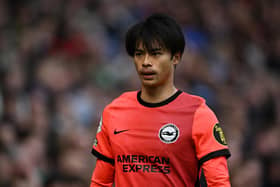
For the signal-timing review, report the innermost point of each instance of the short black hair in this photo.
(156, 29)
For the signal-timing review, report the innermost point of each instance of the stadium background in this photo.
(62, 61)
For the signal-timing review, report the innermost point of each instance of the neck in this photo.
(157, 94)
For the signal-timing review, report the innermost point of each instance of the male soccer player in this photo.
(158, 136)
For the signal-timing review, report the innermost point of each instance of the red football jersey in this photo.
(160, 144)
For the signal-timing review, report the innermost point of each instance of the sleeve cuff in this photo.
(102, 157)
(222, 152)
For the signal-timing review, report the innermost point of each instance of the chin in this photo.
(149, 83)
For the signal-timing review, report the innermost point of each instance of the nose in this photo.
(147, 60)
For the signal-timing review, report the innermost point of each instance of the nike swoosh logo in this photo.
(117, 132)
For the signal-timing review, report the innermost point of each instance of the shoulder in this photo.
(205, 112)
(200, 108)
(192, 100)
(204, 117)
(125, 99)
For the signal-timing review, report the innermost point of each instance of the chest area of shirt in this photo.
(151, 131)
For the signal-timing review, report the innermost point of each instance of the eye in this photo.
(156, 53)
(138, 54)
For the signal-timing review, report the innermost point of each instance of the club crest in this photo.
(168, 133)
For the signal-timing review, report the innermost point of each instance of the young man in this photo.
(159, 136)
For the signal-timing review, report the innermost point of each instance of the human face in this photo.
(155, 68)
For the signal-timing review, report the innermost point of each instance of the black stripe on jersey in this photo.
(222, 152)
(165, 102)
(201, 181)
(102, 157)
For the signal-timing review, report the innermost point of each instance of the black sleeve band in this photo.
(103, 157)
(222, 152)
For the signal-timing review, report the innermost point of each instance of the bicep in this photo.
(103, 174)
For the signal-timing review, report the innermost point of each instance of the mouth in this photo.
(147, 74)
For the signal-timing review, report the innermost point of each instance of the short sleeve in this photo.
(207, 134)
(102, 147)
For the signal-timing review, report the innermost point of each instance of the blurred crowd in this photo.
(62, 61)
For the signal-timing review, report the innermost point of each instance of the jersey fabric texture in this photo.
(160, 144)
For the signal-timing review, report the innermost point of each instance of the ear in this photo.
(176, 58)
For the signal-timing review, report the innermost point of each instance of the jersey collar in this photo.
(162, 103)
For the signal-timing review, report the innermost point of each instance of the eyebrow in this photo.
(156, 49)
(139, 50)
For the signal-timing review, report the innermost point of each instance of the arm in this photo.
(103, 174)
(211, 147)
(216, 172)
